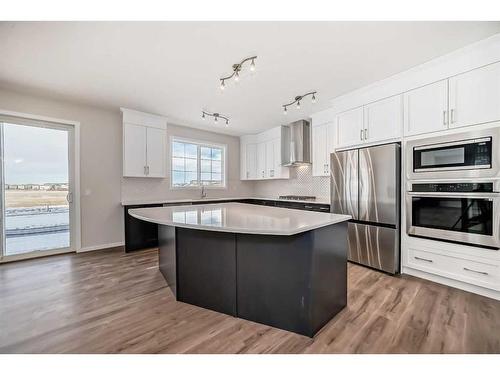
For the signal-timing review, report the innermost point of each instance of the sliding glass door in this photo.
(36, 181)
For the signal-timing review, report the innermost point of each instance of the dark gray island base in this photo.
(294, 282)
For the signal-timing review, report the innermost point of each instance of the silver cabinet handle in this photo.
(452, 116)
(148, 169)
(424, 259)
(145, 170)
(480, 272)
(361, 134)
(308, 207)
(444, 117)
(366, 134)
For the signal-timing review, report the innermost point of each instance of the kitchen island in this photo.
(281, 267)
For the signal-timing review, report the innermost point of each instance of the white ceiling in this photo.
(173, 68)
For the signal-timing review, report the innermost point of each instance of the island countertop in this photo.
(238, 218)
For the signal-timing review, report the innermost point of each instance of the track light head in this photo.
(222, 85)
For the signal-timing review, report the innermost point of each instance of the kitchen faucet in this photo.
(203, 192)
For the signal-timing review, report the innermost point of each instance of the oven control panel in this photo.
(461, 187)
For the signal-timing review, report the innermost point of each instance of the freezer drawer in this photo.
(374, 246)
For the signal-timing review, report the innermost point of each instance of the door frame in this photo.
(74, 171)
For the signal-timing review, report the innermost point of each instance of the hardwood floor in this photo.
(113, 302)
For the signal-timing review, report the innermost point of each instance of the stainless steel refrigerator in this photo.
(365, 183)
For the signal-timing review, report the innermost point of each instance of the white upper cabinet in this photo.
(270, 166)
(261, 160)
(261, 156)
(319, 150)
(475, 96)
(144, 144)
(383, 119)
(426, 109)
(156, 144)
(350, 127)
(251, 161)
(134, 150)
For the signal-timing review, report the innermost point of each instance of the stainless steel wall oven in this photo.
(462, 212)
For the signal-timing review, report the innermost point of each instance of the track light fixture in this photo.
(298, 99)
(236, 71)
(215, 115)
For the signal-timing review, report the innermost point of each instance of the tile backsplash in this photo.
(301, 182)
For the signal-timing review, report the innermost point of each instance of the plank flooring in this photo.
(113, 302)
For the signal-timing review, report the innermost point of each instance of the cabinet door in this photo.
(330, 144)
(155, 151)
(475, 96)
(319, 149)
(251, 161)
(261, 160)
(279, 171)
(426, 109)
(134, 150)
(350, 127)
(383, 119)
(270, 171)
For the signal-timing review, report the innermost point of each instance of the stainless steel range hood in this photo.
(296, 144)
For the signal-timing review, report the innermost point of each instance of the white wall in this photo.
(100, 162)
(101, 181)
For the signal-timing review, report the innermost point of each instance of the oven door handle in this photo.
(453, 195)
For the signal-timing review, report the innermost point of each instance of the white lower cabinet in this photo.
(482, 273)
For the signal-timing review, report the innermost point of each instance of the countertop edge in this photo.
(341, 219)
(166, 201)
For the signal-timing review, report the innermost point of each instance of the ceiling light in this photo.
(297, 100)
(216, 116)
(237, 69)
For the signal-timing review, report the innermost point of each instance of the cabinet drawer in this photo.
(478, 273)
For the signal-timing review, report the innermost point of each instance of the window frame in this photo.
(199, 144)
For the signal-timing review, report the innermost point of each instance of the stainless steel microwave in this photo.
(465, 155)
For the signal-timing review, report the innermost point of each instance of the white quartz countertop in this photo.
(238, 218)
(132, 202)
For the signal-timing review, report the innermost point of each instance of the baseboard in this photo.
(101, 247)
(453, 283)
